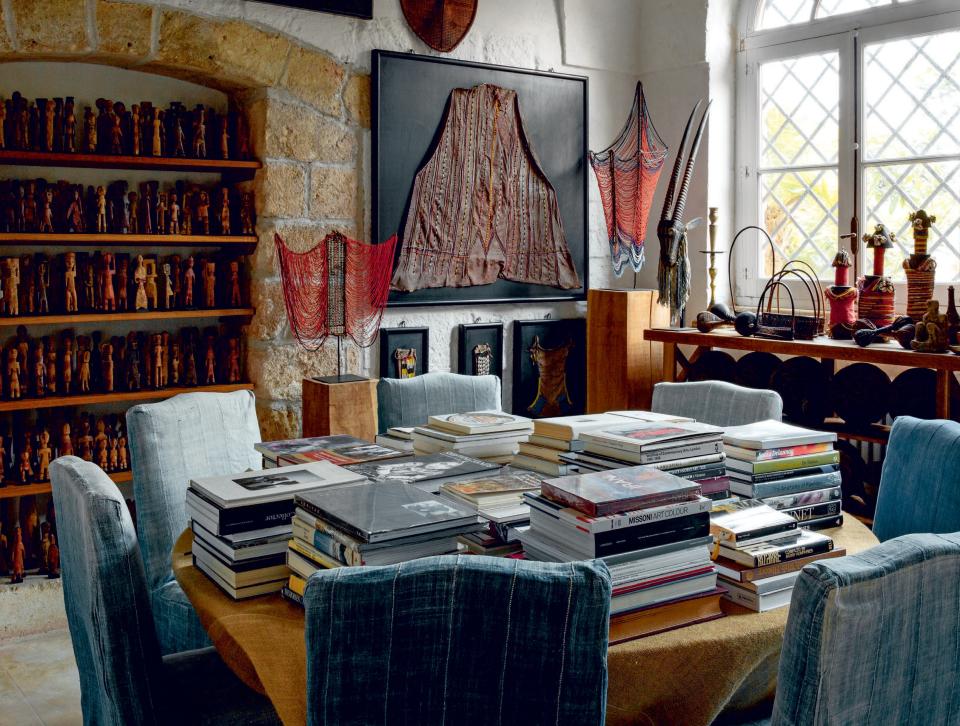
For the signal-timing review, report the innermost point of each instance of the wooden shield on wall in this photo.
(441, 24)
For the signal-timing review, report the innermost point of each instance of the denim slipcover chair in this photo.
(717, 402)
(123, 678)
(872, 638)
(920, 480)
(190, 435)
(410, 401)
(458, 640)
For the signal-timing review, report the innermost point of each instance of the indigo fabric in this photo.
(873, 638)
(458, 640)
(410, 401)
(920, 480)
(717, 402)
(123, 679)
(190, 435)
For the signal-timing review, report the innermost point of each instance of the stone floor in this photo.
(39, 685)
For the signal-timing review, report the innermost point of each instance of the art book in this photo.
(443, 466)
(480, 422)
(338, 449)
(619, 490)
(772, 434)
(651, 436)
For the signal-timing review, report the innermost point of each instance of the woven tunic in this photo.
(481, 207)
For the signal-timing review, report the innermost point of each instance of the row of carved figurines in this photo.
(13, 555)
(29, 463)
(104, 282)
(39, 206)
(87, 364)
(50, 124)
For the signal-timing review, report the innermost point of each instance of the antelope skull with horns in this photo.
(674, 271)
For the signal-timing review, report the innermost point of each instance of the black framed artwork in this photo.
(480, 349)
(354, 8)
(549, 367)
(411, 96)
(404, 352)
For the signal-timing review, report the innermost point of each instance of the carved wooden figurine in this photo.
(233, 360)
(85, 440)
(169, 294)
(246, 213)
(135, 129)
(101, 210)
(26, 467)
(176, 364)
(210, 362)
(75, 222)
(44, 455)
(931, 333)
(189, 277)
(28, 280)
(199, 133)
(210, 284)
(157, 356)
(114, 456)
(90, 131)
(11, 286)
(50, 352)
(122, 446)
(174, 214)
(151, 285)
(108, 297)
(70, 282)
(83, 370)
(133, 362)
(46, 214)
(224, 137)
(39, 373)
(203, 211)
(162, 213)
(69, 126)
(179, 137)
(116, 135)
(157, 146)
(17, 555)
(43, 284)
(89, 285)
(133, 204)
(140, 280)
(53, 559)
(13, 374)
(66, 441)
(123, 282)
(224, 211)
(106, 365)
(234, 282)
(68, 363)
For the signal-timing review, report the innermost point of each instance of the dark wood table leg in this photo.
(670, 362)
(943, 393)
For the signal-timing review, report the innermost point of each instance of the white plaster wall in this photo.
(669, 35)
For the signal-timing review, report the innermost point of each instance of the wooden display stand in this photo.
(340, 408)
(622, 366)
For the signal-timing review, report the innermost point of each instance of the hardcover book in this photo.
(792, 463)
(480, 422)
(749, 520)
(647, 437)
(761, 554)
(508, 485)
(375, 513)
(772, 434)
(782, 487)
(569, 428)
(787, 452)
(619, 490)
(443, 466)
(338, 449)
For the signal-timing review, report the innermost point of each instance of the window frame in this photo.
(847, 34)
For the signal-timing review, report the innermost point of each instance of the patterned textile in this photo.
(872, 638)
(920, 481)
(717, 402)
(409, 402)
(481, 208)
(123, 679)
(458, 640)
(627, 173)
(190, 435)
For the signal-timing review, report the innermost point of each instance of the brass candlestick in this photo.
(713, 252)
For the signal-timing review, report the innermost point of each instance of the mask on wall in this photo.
(441, 24)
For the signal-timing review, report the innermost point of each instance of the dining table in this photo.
(684, 676)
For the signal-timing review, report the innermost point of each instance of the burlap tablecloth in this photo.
(685, 676)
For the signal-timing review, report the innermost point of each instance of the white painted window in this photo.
(847, 109)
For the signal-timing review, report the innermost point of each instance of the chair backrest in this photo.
(458, 639)
(920, 480)
(190, 435)
(717, 402)
(410, 401)
(872, 638)
(106, 598)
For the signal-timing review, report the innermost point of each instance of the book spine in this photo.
(710, 447)
(803, 499)
(762, 490)
(803, 462)
(782, 555)
(324, 543)
(780, 568)
(568, 499)
(726, 535)
(643, 539)
(788, 452)
(785, 474)
(816, 511)
(633, 519)
(260, 516)
(824, 522)
(294, 597)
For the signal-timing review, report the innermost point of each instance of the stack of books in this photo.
(498, 500)
(427, 472)
(242, 523)
(490, 435)
(554, 437)
(791, 469)
(760, 553)
(397, 437)
(371, 524)
(338, 449)
(686, 449)
(650, 527)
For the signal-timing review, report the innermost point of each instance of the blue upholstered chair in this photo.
(410, 401)
(920, 480)
(190, 435)
(123, 678)
(458, 640)
(872, 638)
(717, 402)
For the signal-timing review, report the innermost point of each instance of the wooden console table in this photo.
(675, 363)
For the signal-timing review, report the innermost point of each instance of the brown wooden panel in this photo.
(340, 408)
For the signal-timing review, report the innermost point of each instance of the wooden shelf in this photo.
(73, 318)
(109, 161)
(36, 239)
(872, 433)
(90, 399)
(13, 490)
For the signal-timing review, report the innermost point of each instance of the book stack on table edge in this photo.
(242, 523)
(651, 528)
(424, 471)
(339, 449)
(371, 524)
(493, 436)
(684, 448)
(791, 469)
(760, 551)
(397, 437)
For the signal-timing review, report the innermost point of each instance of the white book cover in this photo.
(271, 485)
(480, 422)
(641, 436)
(771, 434)
(650, 416)
(569, 428)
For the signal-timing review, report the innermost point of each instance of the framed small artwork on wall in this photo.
(354, 8)
(404, 352)
(549, 367)
(480, 349)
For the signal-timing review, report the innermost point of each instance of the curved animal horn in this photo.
(675, 177)
(691, 160)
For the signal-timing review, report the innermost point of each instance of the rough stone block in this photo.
(356, 98)
(6, 45)
(123, 29)
(315, 78)
(294, 131)
(280, 189)
(333, 192)
(278, 369)
(270, 320)
(297, 235)
(50, 26)
(278, 421)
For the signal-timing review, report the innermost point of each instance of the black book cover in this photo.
(814, 511)
(698, 525)
(414, 469)
(784, 474)
(252, 516)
